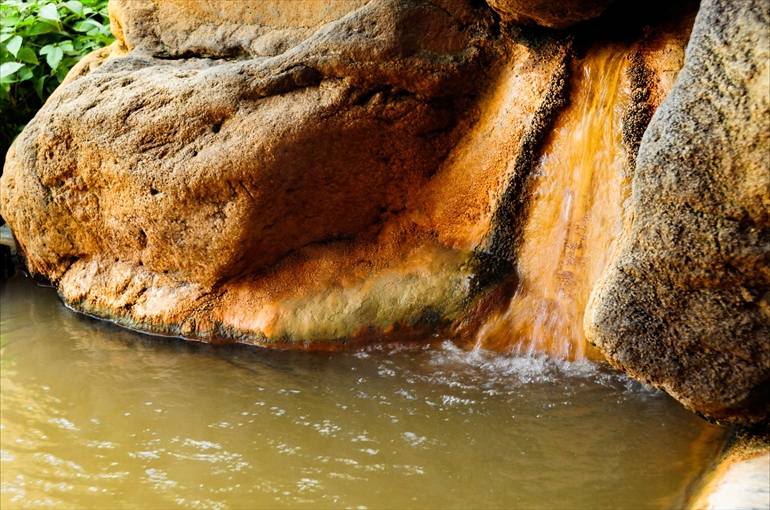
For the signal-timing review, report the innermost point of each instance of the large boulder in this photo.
(235, 171)
(213, 168)
(685, 304)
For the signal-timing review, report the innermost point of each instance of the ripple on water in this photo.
(94, 416)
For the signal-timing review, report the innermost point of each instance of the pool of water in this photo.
(94, 416)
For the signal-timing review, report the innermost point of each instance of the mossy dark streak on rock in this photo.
(497, 253)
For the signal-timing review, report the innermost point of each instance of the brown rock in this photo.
(348, 170)
(684, 305)
(185, 28)
(549, 13)
(269, 198)
(197, 28)
(207, 161)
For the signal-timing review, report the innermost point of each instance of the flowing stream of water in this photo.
(576, 214)
(94, 416)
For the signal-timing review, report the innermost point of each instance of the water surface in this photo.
(94, 416)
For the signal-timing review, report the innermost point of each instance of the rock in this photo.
(195, 28)
(216, 156)
(175, 28)
(685, 303)
(7, 249)
(742, 484)
(740, 478)
(549, 13)
(263, 187)
(348, 170)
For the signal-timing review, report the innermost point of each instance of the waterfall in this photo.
(579, 193)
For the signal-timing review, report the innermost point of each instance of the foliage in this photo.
(40, 40)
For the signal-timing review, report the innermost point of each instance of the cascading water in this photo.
(576, 213)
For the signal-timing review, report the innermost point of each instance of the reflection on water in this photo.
(95, 416)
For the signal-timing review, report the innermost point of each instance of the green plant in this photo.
(40, 40)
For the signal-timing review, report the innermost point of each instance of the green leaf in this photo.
(25, 74)
(49, 11)
(75, 7)
(54, 57)
(41, 27)
(26, 21)
(27, 55)
(8, 68)
(39, 87)
(62, 73)
(13, 45)
(87, 25)
(57, 32)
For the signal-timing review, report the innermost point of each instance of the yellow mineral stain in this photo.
(575, 216)
(316, 295)
(457, 204)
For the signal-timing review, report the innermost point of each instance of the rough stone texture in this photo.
(549, 13)
(197, 27)
(200, 185)
(226, 159)
(348, 170)
(685, 304)
(189, 28)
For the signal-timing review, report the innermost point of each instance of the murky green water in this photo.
(98, 417)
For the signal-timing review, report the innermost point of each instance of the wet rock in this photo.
(549, 13)
(261, 182)
(685, 303)
(7, 247)
(740, 477)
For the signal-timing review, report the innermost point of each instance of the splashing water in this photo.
(576, 214)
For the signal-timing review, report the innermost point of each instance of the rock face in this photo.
(355, 170)
(549, 13)
(685, 304)
(143, 151)
(250, 173)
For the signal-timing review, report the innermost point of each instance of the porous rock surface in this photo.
(685, 303)
(239, 171)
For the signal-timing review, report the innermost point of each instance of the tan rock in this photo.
(268, 199)
(198, 27)
(684, 304)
